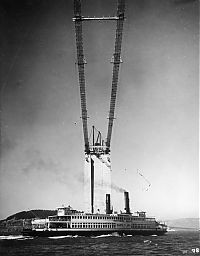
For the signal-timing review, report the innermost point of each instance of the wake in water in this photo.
(15, 237)
(170, 230)
(108, 235)
(61, 237)
(102, 236)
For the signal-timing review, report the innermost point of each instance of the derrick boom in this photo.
(81, 69)
(116, 65)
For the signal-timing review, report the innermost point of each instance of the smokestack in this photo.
(126, 199)
(92, 186)
(108, 208)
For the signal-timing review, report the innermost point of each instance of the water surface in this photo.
(173, 243)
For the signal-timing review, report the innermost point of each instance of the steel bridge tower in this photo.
(97, 169)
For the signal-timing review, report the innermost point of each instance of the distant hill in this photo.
(42, 214)
(184, 223)
(14, 224)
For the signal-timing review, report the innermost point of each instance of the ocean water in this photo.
(173, 243)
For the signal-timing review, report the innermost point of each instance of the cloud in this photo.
(6, 146)
(184, 1)
(39, 164)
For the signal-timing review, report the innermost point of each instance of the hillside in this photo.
(42, 214)
(14, 223)
(184, 223)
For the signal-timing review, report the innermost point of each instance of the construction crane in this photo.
(116, 60)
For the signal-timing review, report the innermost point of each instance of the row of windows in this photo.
(42, 226)
(100, 217)
(140, 226)
(95, 217)
(59, 225)
(93, 225)
(120, 218)
(63, 218)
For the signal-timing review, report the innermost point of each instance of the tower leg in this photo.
(97, 182)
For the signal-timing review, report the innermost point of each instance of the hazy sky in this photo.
(156, 126)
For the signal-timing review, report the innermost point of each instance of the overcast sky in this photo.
(156, 126)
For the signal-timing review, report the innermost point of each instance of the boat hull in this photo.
(89, 233)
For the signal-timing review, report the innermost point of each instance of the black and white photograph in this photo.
(99, 127)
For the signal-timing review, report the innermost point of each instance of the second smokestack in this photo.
(126, 199)
(108, 206)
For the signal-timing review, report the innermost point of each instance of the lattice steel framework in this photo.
(78, 19)
(81, 69)
(116, 65)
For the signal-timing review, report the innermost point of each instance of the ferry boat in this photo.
(68, 221)
(98, 217)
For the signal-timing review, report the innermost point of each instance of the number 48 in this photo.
(195, 250)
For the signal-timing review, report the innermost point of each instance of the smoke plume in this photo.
(117, 189)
